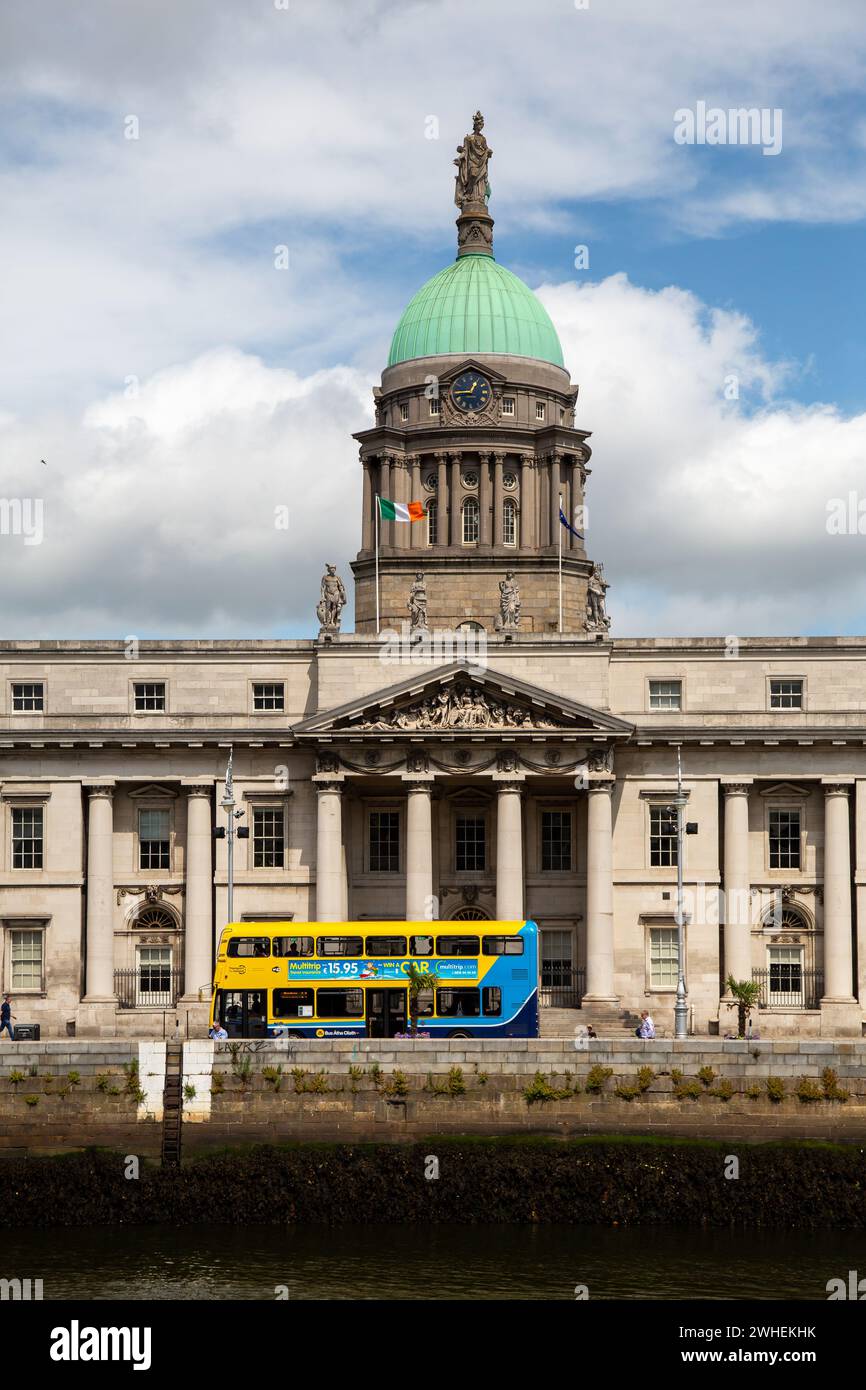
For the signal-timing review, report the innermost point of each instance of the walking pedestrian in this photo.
(6, 1017)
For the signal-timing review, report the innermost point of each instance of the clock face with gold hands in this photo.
(470, 391)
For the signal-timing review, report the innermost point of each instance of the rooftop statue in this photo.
(471, 185)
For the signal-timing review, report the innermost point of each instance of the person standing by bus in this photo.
(6, 1017)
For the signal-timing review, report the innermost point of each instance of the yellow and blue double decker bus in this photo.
(350, 979)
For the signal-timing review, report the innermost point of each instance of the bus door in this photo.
(243, 1012)
(386, 1012)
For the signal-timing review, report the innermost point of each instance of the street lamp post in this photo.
(681, 1007)
(228, 805)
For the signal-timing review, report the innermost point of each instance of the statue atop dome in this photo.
(471, 186)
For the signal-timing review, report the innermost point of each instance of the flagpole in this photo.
(378, 510)
(559, 519)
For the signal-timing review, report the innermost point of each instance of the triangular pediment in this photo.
(461, 700)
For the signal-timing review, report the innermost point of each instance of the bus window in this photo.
(249, 946)
(293, 1003)
(458, 945)
(340, 1003)
(502, 945)
(341, 945)
(293, 946)
(458, 1003)
(492, 996)
(424, 999)
(386, 945)
(420, 945)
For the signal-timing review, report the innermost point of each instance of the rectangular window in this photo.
(425, 1003)
(384, 842)
(150, 697)
(432, 523)
(784, 839)
(556, 841)
(341, 945)
(269, 832)
(665, 694)
(507, 405)
(470, 850)
(154, 977)
(292, 946)
(27, 837)
(458, 945)
(539, 410)
(458, 1003)
(786, 694)
(269, 695)
(502, 945)
(386, 945)
(492, 996)
(663, 837)
(25, 954)
(28, 697)
(434, 405)
(420, 945)
(153, 840)
(404, 411)
(786, 977)
(340, 1003)
(245, 946)
(293, 1003)
(663, 958)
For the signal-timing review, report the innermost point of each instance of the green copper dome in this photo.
(475, 307)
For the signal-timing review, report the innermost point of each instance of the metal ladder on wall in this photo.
(172, 1105)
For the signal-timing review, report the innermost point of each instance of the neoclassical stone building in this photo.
(489, 751)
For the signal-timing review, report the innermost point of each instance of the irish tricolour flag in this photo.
(400, 511)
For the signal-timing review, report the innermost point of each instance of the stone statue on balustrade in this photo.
(331, 603)
(596, 591)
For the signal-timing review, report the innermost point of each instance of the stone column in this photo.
(509, 852)
(198, 915)
(418, 529)
(484, 499)
(330, 896)
(543, 504)
(498, 498)
(385, 527)
(527, 504)
(577, 482)
(737, 883)
(99, 974)
(442, 499)
(554, 498)
(367, 505)
(599, 895)
(456, 514)
(838, 955)
(419, 852)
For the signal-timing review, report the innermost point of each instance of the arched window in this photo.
(470, 521)
(470, 914)
(509, 521)
(432, 522)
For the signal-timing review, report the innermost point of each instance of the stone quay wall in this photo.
(60, 1097)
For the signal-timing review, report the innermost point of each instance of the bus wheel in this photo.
(460, 1034)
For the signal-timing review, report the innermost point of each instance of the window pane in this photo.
(268, 837)
(249, 946)
(458, 1003)
(268, 695)
(154, 850)
(292, 946)
(786, 694)
(420, 945)
(492, 995)
(26, 959)
(663, 837)
(28, 696)
(386, 945)
(293, 1003)
(150, 695)
(509, 522)
(432, 523)
(663, 958)
(556, 840)
(27, 837)
(341, 946)
(665, 694)
(502, 945)
(470, 521)
(384, 842)
(784, 839)
(470, 849)
(458, 945)
(340, 1003)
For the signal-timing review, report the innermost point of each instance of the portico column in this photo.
(198, 923)
(527, 503)
(367, 510)
(838, 957)
(385, 527)
(577, 480)
(484, 498)
(599, 895)
(509, 853)
(441, 500)
(419, 852)
(737, 885)
(498, 497)
(100, 892)
(554, 498)
(329, 853)
(456, 513)
(418, 529)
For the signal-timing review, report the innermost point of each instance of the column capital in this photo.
(837, 787)
(198, 788)
(484, 456)
(335, 786)
(417, 782)
(527, 460)
(509, 783)
(105, 789)
(499, 455)
(602, 784)
(737, 788)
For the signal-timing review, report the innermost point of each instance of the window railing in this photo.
(791, 988)
(153, 988)
(562, 987)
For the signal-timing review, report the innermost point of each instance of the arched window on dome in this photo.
(432, 522)
(509, 522)
(470, 521)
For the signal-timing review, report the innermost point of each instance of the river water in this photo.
(429, 1262)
